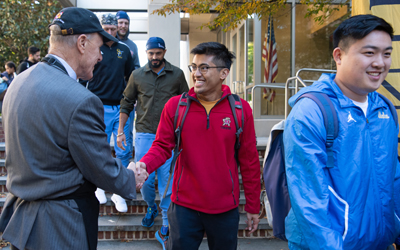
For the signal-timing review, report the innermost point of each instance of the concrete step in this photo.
(263, 126)
(3, 188)
(2, 155)
(243, 244)
(129, 227)
(262, 143)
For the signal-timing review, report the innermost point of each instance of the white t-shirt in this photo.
(362, 105)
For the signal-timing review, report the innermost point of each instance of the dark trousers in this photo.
(187, 228)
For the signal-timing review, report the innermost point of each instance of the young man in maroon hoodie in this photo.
(205, 190)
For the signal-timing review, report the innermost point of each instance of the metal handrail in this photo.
(265, 86)
(315, 70)
(297, 78)
(285, 86)
(244, 88)
(310, 70)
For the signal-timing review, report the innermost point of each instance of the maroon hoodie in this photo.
(206, 174)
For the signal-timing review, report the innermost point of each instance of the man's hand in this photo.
(121, 142)
(252, 222)
(4, 78)
(140, 173)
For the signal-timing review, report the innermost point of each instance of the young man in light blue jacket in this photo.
(352, 204)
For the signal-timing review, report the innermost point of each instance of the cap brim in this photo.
(107, 37)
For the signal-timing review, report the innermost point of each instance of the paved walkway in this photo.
(244, 244)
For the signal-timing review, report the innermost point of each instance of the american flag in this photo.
(270, 57)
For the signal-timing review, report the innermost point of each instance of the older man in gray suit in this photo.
(57, 151)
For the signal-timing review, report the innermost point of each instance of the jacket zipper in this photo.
(179, 180)
(208, 115)
(233, 187)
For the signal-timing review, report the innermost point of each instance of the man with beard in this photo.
(123, 33)
(33, 58)
(151, 86)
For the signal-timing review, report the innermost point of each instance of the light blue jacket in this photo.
(350, 206)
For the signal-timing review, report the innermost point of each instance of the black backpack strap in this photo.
(391, 107)
(180, 110)
(330, 121)
(180, 116)
(237, 110)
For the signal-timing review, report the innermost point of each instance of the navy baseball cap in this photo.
(74, 21)
(155, 43)
(122, 15)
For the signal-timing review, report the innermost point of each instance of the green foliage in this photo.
(232, 12)
(322, 9)
(24, 23)
(250, 60)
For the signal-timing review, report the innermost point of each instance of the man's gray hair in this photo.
(56, 37)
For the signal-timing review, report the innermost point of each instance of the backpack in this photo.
(180, 115)
(274, 174)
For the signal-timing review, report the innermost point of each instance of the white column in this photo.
(168, 28)
(258, 70)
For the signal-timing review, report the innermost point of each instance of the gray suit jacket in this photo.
(55, 139)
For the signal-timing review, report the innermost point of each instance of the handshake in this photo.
(140, 173)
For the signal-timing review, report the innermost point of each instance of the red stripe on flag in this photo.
(269, 54)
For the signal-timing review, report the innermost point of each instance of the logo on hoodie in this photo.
(226, 123)
(119, 52)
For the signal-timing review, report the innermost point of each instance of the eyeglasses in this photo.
(203, 68)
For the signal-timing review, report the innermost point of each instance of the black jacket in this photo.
(24, 64)
(111, 74)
